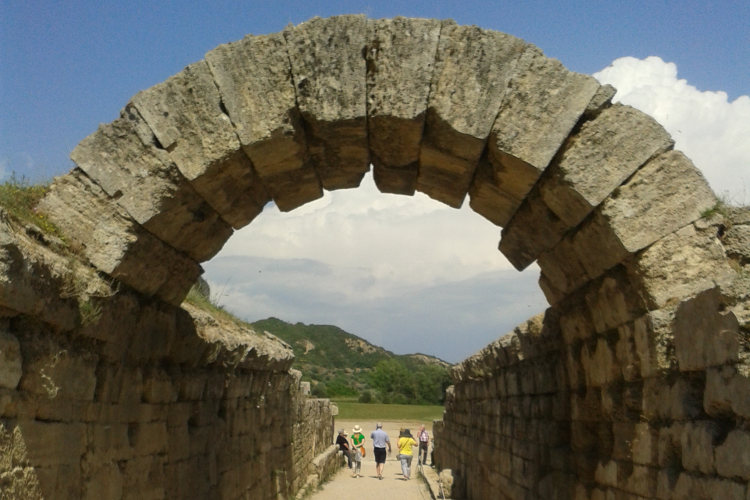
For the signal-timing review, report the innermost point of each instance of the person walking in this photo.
(424, 444)
(358, 449)
(344, 448)
(379, 441)
(405, 453)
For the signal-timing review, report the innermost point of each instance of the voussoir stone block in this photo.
(522, 241)
(618, 141)
(328, 69)
(665, 195)
(543, 103)
(114, 243)
(255, 82)
(472, 69)
(122, 159)
(185, 114)
(400, 56)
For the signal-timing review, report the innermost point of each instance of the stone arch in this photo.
(445, 109)
(593, 191)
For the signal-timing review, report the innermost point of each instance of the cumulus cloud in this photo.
(706, 126)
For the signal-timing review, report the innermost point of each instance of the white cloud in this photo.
(708, 128)
(398, 239)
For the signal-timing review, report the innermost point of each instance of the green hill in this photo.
(340, 364)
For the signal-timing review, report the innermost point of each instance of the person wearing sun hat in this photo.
(358, 449)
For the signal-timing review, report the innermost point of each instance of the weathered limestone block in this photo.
(696, 445)
(616, 143)
(654, 341)
(665, 195)
(185, 114)
(601, 100)
(400, 56)
(736, 241)
(678, 400)
(328, 69)
(472, 69)
(487, 198)
(703, 335)
(28, 272)
(642, 481)
(148, 438)
(522, 241)
(694, 487)
(107, 441)
(727, 391)
(593, 162)
(114, 243)
(10, 361)
(103, 482)
(599, 364)
(52, 443)
(733, 455)
(680, 265)
(54, 370)
(158, 388)
(563, 267)
(612, 301)
(543, 102)
(122, 159)
(256, 87)
(636, 443)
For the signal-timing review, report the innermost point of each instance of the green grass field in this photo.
(350, 410)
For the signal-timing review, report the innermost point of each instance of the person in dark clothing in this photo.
(343, 444)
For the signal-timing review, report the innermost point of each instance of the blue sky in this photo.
(67, 66)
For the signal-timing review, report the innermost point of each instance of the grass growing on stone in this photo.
(19, 199)
(350, 410)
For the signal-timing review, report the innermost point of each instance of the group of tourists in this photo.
(353, 448)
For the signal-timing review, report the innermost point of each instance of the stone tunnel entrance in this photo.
(633, 384)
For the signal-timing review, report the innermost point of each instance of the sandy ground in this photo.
(368, 487)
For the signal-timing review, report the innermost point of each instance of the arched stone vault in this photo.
(591, 190)
(577, 183)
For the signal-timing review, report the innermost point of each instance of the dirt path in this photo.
(368, 487)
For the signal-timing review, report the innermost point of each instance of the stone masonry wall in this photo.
(121, 397)
(604, 398)
(505, 432)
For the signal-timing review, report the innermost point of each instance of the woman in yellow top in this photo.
(405, 454)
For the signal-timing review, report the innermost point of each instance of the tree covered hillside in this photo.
(340, 364)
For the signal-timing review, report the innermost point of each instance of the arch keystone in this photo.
(328, 70)
(400, 56)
